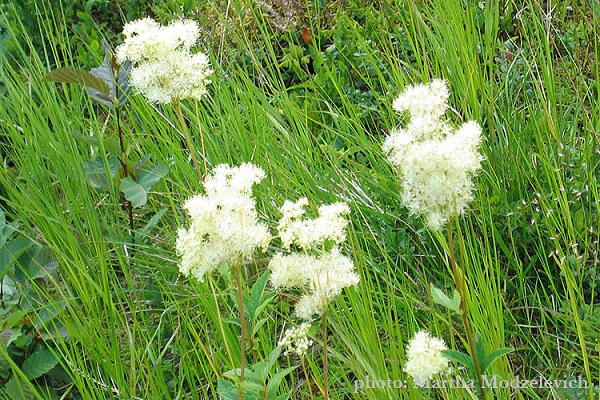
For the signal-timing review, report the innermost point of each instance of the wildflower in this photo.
(164, 68)
(330, 225)
(296, 340)
(425, 358)
(435, 161)
(323, 278)
(224, 228)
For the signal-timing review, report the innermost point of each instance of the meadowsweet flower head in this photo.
(296, 340)
(224, 228)
(323, 277)
(307, 233)
(435, 161)
(424, 357)
(164, 68)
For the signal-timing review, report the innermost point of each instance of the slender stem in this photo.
(123, 160)
(325, 357)
(201, 141)
(307, 375)
(459, 281)
(240, 300)
(188, 139)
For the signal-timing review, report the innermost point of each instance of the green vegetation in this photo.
(92, 304)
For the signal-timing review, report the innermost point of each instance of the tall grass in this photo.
(134, 328)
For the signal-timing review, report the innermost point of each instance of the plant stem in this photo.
(240, 300)
(459, 281)
(122, 159)
(188, 139)
(308, 380)
(325, 357)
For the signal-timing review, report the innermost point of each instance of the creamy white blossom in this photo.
(435, 161)
(296, 340)
(424, 357)
(164, 67)
(224, 227)
(322, 277)
(307, 233)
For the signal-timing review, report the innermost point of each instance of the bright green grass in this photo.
(136, 329)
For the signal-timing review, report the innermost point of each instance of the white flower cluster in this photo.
(296, 340)
(435, 161)
(224, 228)
(324, 276)
(424, 357)
(164, 68)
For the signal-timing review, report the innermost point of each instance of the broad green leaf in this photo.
(440, 298)
(253, 302)
(489, 359)
(38, 364)
(226, 390)
(96, 173)
(12, 252)
(151, 174)
(16, 391)
(140, 164)
(134, 192)
(275, 381)
(78, 76)
(459, 357)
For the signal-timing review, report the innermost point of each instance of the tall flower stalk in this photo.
(436, 163)
(317, 265)
(224, 231)
(165, 70)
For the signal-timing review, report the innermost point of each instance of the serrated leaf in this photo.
(490, 358)
(133, 192)
(78, 76)
(38, 364)
(151, 174)
(439, 297)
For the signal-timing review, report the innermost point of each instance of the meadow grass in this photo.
(127, 325)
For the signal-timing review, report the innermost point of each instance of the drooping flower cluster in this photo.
(323, 275)
(224, 228)
(164, 67)
(296, 340)
(435, 161)
(424, 357)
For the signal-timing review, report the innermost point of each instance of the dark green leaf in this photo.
(140, 164)
(16, 391)
(77, 76)
(253, 302)
(275, 382)
(96, 173)
(38, 364)
(459, 357)
(134, 192)
(489, 359)
(151, 174)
